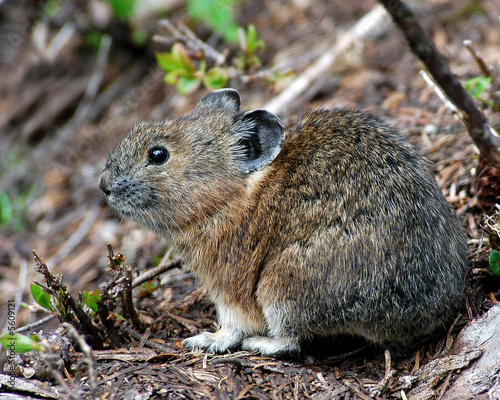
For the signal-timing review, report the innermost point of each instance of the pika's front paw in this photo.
(201, 341)
(218, 342)
(270, 346)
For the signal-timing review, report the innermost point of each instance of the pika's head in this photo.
(170, 174)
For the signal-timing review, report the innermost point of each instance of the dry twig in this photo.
(89, 357)
(36, 324)
(372, 23)
(183, 34)
(475, 121)
(129, 300)
(148, 343)
(120, 285)
(154, 272)
(21, 286)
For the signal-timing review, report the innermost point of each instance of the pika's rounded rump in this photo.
(337, 226)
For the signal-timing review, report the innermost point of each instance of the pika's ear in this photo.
(222, 98)
(259, 136)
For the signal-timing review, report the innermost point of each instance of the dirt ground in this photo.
(65, 103)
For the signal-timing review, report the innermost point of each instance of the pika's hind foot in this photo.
(268, 346)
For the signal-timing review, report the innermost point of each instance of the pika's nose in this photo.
(103, 185)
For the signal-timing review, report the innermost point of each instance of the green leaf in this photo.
(494, 261)
(216, 78)
(252, 33)
(93, 39)
(217, 14)
(167, 61)
(182, 56)
(177, 60)
(20, 343)
(186, 85)
(123, 9)
(41, 297)
(229, 32)
(139, 37)
(171, 78)
(253, 42)
(249, 45)
(476, 86)
(248, 40)
(146, 288)
(5, 209)
(90, 299)
(152, 285)
(118, 316)
(51, 8)
(180, 69)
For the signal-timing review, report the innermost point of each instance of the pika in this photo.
(336, 227)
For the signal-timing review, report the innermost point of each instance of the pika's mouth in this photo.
(123, 210)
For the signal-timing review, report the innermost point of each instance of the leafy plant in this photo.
(90, 299)
(51, 8)
(5, 209)
(249, 45)
(93, 39)
(21, 343)
(494, 261)
(477, 86)
(123, 9)
(181, 71)
(13, 209)
(44, 299)
(41, 297)
(147, 288)
(217, 14)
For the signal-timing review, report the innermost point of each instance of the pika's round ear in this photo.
(222, 98)
(259, 136)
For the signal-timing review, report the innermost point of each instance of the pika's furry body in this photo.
(337, 228)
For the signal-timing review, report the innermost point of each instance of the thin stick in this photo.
(21, 286)
(445, 386)
(63, 37)
(184, 34)
(389, 373)
(36, 324)
(475, 121)
(439, 92)
(148, 343)
(87, 350)
(129, 301)
(160, 269)
(477, 56)
(370, 24)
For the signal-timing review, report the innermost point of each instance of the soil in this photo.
(65, 103)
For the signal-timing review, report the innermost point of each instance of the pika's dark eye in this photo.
(157, 155)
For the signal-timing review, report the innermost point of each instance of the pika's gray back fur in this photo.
(338, 228)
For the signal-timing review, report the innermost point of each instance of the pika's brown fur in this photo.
(337, 228)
